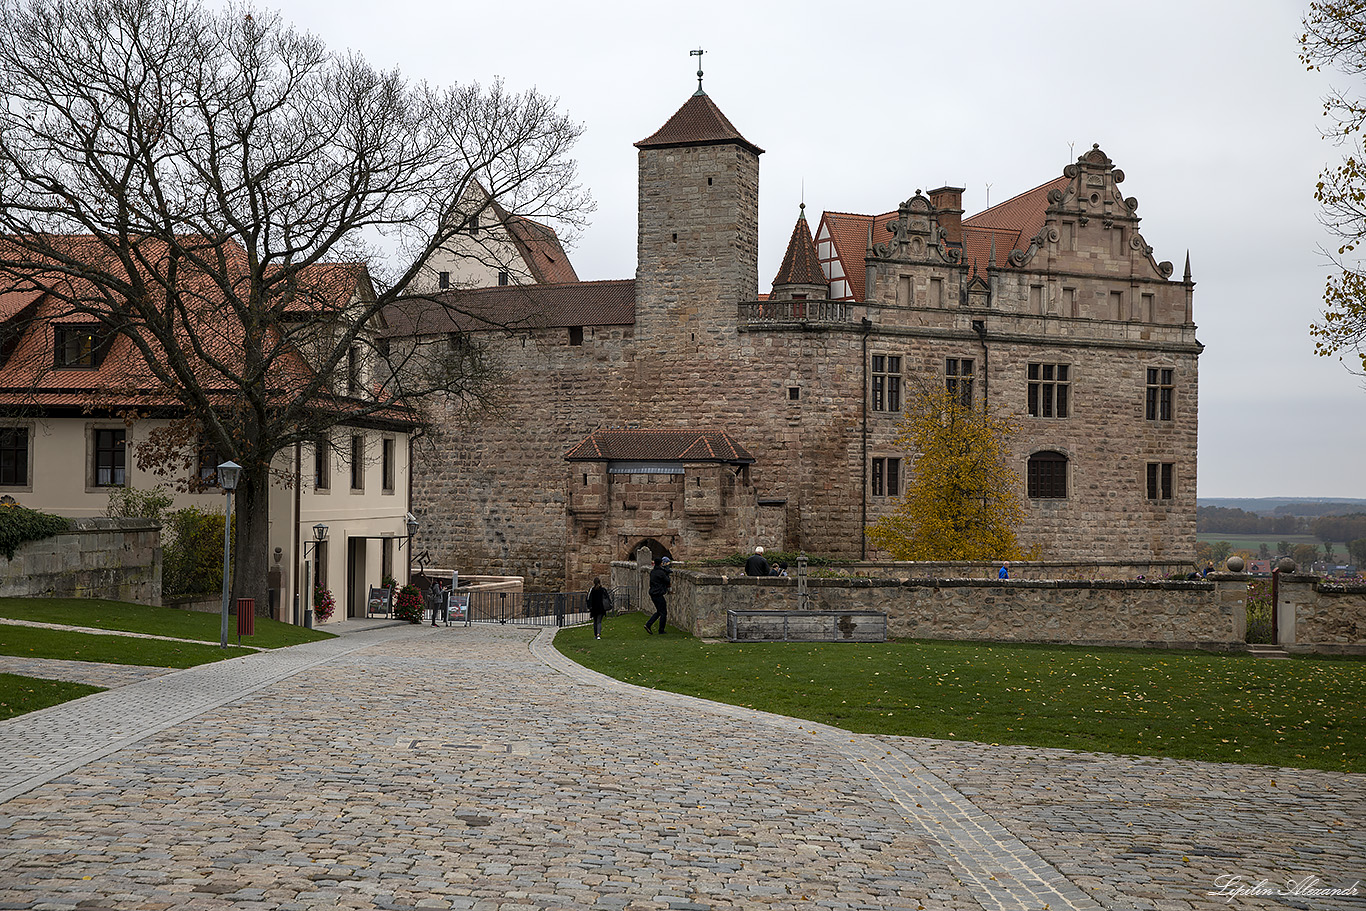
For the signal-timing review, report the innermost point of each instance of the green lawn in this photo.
(37, 642)
(1191, 705)
(158, 621)
(20, 695)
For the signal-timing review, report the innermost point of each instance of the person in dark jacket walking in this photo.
(757, 564)
(661, 577)
(599, 603)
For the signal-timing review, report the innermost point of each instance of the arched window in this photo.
(1047, 476)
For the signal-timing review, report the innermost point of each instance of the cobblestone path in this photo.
(460, 768)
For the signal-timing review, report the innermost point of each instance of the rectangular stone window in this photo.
(886, 477)
(903, 291)
(936, 292)
(388, 464)
(353, 382)
(14, 456)
(1068, 237)
(322, 475)
(1149, 308)
(1069, 301)
(1117, 242)
(1160, 393)
(1050, 387)
(958, 372)
(794, 393)
(357, 462)
(110, 453)
(886, 371)
(1036, 304)
(576, 335)
(1117, 305)
(1160, 480)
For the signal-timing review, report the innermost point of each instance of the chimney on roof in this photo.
(948, 211)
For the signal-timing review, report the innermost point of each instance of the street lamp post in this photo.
(228, 473)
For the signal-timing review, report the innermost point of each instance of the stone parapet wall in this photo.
(1209, 614)
(118, 559)
(1112, 570)
(1321, 617)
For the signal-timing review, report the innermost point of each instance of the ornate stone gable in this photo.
(917, 236)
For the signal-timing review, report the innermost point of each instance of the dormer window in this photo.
(78, 345)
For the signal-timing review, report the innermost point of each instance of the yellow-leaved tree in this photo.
(962, 499)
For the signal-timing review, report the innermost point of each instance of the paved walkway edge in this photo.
(1007, 874)
(103, 723)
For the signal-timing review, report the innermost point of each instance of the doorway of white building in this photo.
(355, 577)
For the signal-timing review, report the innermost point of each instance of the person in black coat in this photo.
(599, 603)
(757, 564)
(661, 577)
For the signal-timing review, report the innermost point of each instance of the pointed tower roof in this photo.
(698, 123)
(801, 265)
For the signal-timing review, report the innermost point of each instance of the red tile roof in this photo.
(801, 265)
(659, 446)
(1012, 223)
(698, 123)
(122, 377)
(541, 249)
(598, 303)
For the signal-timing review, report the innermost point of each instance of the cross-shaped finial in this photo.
(698, 54)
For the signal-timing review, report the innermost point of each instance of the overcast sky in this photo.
(1203, 105)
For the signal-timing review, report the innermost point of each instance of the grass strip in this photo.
(37, 642)
(20, 695)
(97, 613)
(1303, 713)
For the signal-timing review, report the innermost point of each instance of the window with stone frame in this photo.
(14, 456)
(109, 458)
(357, 462)
(886, 381)
(886, 477)
(1160, 476)
(1046, 476)
(1161, 391)
(1050, 387)
(387, 464)
(322, 464)
(958, 374)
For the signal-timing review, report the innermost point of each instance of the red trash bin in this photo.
(246, 617)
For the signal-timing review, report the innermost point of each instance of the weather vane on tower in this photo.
(698, 54)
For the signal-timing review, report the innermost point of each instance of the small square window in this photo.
(794, 393)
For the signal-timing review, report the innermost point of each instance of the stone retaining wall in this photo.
(119, 559)
(1319, 616)
(1208, 614)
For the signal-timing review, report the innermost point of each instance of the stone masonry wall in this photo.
(1319, 616)
(118, 559)
(1205, 614)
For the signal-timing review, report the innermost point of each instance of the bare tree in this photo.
(217, 190)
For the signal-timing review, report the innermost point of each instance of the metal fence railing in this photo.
(529, 608)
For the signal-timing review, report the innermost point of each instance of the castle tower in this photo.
(698, 237)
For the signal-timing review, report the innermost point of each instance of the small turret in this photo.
(800, 277)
